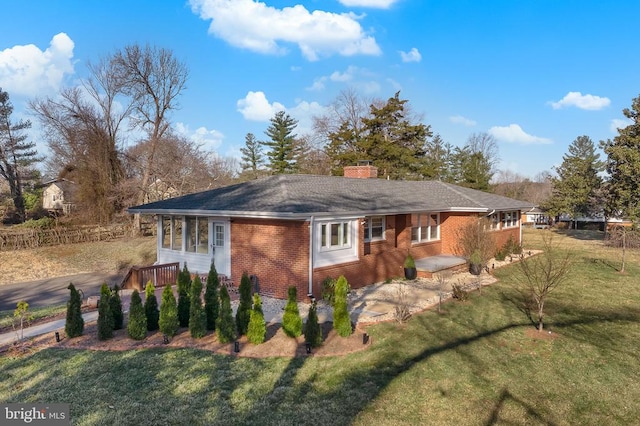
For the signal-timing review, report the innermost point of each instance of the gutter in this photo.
(311, 226)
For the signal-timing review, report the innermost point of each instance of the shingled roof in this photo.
(302, 196)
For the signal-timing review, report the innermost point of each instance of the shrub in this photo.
(116, 308)
(341, 319)
(225, 326)
(137, 325)
(328, 287)
(74, 326)
(501, 254)
(409, 262)
(197, 318)
(184, 285)
(211, 298)
(402, 313)
(151, 307)
(291, 320)
(312, 331)
(105, 317)
(243, 314)
(475, 236)
(459, 292)
(257, 330)
(168, 313)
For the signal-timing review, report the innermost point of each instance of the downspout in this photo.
(311, 225)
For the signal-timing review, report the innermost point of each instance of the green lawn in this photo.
(473, 364)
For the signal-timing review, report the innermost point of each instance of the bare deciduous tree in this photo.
(153, 78)
(541, 274)
(476, 236)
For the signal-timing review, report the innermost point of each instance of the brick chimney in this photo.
(364, 170)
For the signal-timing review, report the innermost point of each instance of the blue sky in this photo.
(535, 74)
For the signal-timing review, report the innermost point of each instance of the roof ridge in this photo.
(455, 189)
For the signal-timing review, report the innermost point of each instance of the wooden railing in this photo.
(159, 275)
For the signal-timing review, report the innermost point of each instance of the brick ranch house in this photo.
(297, 230)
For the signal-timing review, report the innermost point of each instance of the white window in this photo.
(509, 219)
(374, 228)
(197, 233)
(176, 234)
(494, 221)
(425, 227)
(166, 232)
(335, 235)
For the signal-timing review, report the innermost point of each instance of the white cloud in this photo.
(358, 78)
(209, 140)
(411, 56)
(379, 4)
(578, 100)
(304, 112)
(253, 25)
(458, 119)
(513, 133)
(256, 107)
(27, 70)
(619, 123)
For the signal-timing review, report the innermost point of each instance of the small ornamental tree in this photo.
(341, 319)
(243, 313)
(21, 316)
(211, 298)
(225, 325)
(184, 284)
(116, 308)
(168, 313)
(151, 307)
(291, 320)
(137, 325)
(74, 326)
(105, 317)
(257, 327)
(312, 331)
(197, 318)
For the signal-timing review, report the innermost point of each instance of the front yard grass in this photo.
(479, 362)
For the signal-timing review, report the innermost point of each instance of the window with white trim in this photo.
(374, 228)
(494, 221)
(166, 232)
(335, 235)
(425, 227)
(176, 235)
(197, 234)
(509, 219)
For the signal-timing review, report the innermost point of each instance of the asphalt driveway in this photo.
(53, 291)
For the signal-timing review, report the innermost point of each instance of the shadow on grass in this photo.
(582, 234)
(165, 386)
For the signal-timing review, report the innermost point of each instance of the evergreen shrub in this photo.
(74, 326)
(105, 317)
(291, 320)
(137, 325)
(243, 313)
(197, 318)
(257, 330)
(168, 322)
(151, 310)
(341, 319)
(212, 298)
(225, 326)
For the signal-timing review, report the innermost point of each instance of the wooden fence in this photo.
(20, 239)
(159, 275)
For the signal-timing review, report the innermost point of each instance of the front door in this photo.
(219, 246)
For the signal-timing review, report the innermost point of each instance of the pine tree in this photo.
(291, 320)
(116, 308)
(137, 325)
(243, 312)
(184, 285)
(225, 327)
(197, 318)
(16, 154)
(282, 154)
(312, 331)
(168, 313)
(578, 182)
(211, 298)
(74, 326)
(252, 158)
(257, 330)
(341, 319)
(151, 307)
(105, 317)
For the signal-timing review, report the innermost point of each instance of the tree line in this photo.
(134, 91)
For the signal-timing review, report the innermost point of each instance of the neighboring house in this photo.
(535, 218)
(297, 230)
(58, 196)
